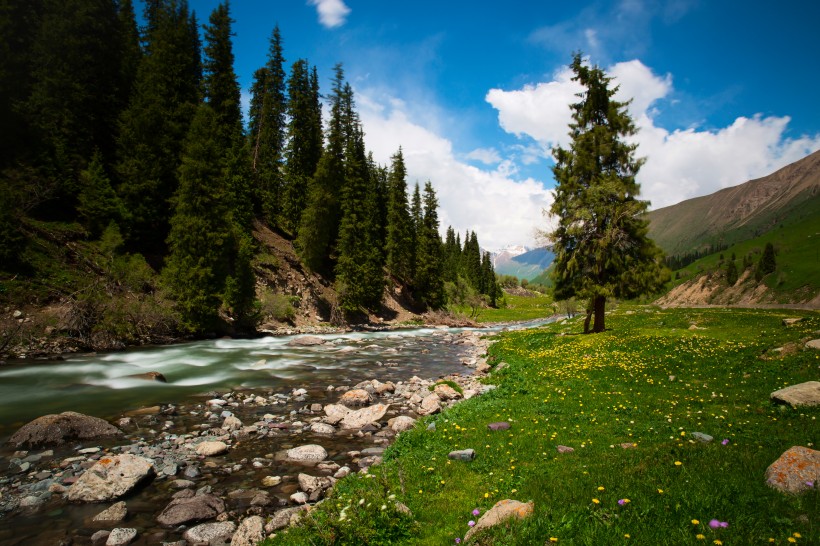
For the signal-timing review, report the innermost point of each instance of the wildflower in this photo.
(660, 491)
(458, 540)
(792, 539)
(384, 507)
(361, 502)
(486, 495)
(695, 522)
(476, 512)
(627, 535)
(623, 501)
(718, 542)
(714, 524)
(678, 463)
(596, 501)
(553, 539)
(725, 441)
(797, 535)
(600, 488)
(471, 523)
(700, 537)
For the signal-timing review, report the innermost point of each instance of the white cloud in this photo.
(499, 208)
(488, 156)
(681, 163)
(332, 13)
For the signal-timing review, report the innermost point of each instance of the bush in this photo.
(278, 307)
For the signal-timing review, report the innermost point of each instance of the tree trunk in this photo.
(600, 311)
(588, 317)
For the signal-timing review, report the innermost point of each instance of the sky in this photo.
(477, 93)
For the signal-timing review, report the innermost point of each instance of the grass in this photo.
(515, 308)
(650, 381)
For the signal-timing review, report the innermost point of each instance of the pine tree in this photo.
(471, 261)
(428, 282)
(98, 204)
(452, 256)
(767, 263)
(220, 83)
(304, 141)
(731, 272)
(416, 216)
(399, 242)
(601, 243)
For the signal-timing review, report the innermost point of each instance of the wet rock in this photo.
(803, 394)
(197, 508)
(342, 472)
(796, 471)
(61, 428)
(31, 502)
(250, 531)
(499, 513)
(335, 413)
(100, 537)
(110, 478)
(307, 453)
(306, 341)
(364, 416)
(356, 397)
(283, 518)
(462, 455)
(299, 497)
(271, 481)
(309, 484)
(322, 428)
(211, 449)
(121, 536)
(116, 512)
(231, 422)
(430, 404)
(211, 533)
(150, 376)
(402, 423)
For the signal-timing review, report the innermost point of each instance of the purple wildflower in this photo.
(476, 512)
(725, 441)
(714, 524)
(458, 540)
(471, 523)
(621, 502)
(724, 524)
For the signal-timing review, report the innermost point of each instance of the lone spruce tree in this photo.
(601, 244)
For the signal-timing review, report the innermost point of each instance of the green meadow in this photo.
(628, 401)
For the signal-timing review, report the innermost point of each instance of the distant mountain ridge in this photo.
(741, 212)
(522, 262)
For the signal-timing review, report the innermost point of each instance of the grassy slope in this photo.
(516, 308)
(594, 393)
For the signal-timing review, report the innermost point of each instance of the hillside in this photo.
(739, 213)
(526, 265)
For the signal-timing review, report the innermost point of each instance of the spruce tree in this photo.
(399, 242)
(731, 272)
(416, 216)
(471, 261)
(428, 282)
(601, 244)
(220, 83)
(452, 256)
(98, 204)
(767, 263)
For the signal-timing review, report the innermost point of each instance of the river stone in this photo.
(402, 423)
(121, 536)
(309, 484)
(335, 413)
(299, 497)
(110, 478)
(150, 376)
(211, 449)
(446, 392)
(250, 532)
(797, 470)
(284, 518)
(231, 422)
(61, 428)
(462, 455)
(499, 513)
(813, 344)
(100, 537)
(186, 510)
(803, 394)
(310, 453)
(271, 481)
(322, 428)
(116, 512)
(431, 404)
(211, 533)
(356, 397)
(364, 416)
(306, 341)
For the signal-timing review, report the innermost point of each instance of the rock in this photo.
(364, 416)
(503, 425)
(116, 512)
(283, 518)
(803, 394)
(211, 533)
(299, 497)
(231, 422)
(150, 376)
(31, 502)
(322, 428)
(342, 472)
(499, 513)
(462, 455)
(250, 532)
(310, 453)
(629, 445)
(446, 392)
(701, 437)
(211, 449)
(335, 413)
(306, 341)
(403, 509)
(813, 344)
(309, 484)
(100, 537)
(791, 320)
(797, 470)
(356, 397)
(61, 428)
(110, 478)
(192, 509)
(564, 449)
(431, 404)
(483, 367)
(121, 536)
(271, 481)
(402, 423)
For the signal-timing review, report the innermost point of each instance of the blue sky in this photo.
(477, 92)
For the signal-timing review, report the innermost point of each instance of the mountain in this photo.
(522, 262)
(739, 213)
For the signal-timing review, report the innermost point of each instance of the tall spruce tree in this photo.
(601, 244)
(220, 83)
(428, 283)
(452, 256)
(399, 243)
(471, 261)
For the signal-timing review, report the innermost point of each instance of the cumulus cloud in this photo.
(332, 13)
(492, 202)
(681, 163)
(488, 156)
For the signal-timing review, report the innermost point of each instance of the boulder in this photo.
(116, 512)
(231, 422)
(499, 513)
(271, 481)
(322, 428)
(61, 428)
(284, 518)
(501, 425)
(788, 321)
(150, 376)
(121, 536)
(250, 532)
(431, 404)
(813, 344)
(310, 453)
(191, 509)
(356, 397)
(299, 497)
(446, 392)
(702, 437)
(802, 394)
(211, 533)
(796, 471)
(310, 484)
(462, 455)
(364, 416)
(402, 423)
(564, 449)
(306, 341)
(211, 449)
(111, 478)
(335, 413)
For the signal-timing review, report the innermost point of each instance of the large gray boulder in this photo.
(250, 532)
(311, 453)
(335, 413)
(797, 470)
(111, 478)
(364, 416)
(192, 509)
(802, 394)
(61, 428)
(211, 533)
